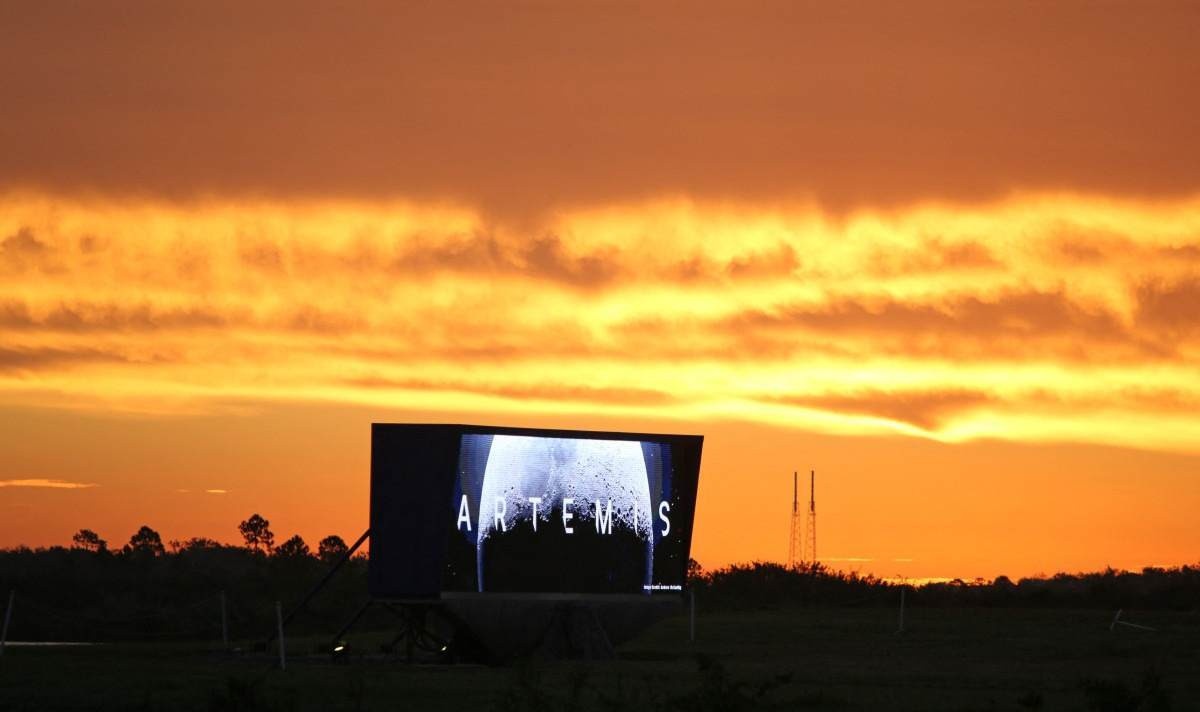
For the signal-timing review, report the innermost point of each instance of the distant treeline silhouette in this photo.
(145, 590)
(764, 584)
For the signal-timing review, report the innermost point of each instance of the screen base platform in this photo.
(494, 631)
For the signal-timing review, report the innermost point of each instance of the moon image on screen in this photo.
(548, 491)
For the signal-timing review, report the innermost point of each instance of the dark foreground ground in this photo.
(810, 659)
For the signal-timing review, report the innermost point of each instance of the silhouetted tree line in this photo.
(145, 590)
(762, 584)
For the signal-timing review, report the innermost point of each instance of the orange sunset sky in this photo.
(945, 253)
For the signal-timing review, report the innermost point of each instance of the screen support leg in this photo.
(320, 585)
(337, 637)
(418, 628)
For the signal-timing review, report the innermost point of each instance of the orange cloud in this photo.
(46, 484)
(923, 409)
(947, 322)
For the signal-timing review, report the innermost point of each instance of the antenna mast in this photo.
(795, 546)
(811, 554)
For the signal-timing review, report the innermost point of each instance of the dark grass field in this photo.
(818, 659)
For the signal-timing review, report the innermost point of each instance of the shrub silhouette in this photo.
(1113, 696)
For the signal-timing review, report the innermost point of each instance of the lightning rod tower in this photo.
(795, 545)
(811, 533)
(802, 539)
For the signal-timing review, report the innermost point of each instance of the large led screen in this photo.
(563, 514)
(508, 510)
